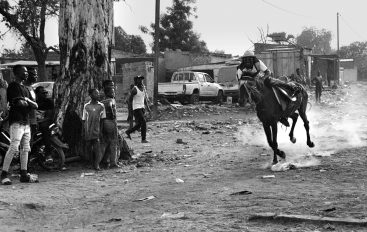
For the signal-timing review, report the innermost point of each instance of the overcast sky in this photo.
(231, 25)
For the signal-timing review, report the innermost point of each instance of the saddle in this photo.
(283, 97)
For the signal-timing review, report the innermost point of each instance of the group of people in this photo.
(100, 122)
(30, 110)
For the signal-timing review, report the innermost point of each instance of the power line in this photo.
(351, 28)
(285, 10)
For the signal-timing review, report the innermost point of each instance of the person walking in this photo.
(21, 103)
(138, 101)
(319, 87)
(109, 132)
(93, 114)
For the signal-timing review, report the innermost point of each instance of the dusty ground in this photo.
(223, 152)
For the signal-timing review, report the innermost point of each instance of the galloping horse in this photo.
(269, 111)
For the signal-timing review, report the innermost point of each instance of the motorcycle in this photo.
(46, 148)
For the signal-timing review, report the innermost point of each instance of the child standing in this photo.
(93, 113)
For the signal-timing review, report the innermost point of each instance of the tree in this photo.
(85, 36)
(358, 52)
(28, 19)
(318, 40)
(176, 28)
(25, 52)
(129, 43)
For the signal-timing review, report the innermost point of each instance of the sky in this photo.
(232, 25)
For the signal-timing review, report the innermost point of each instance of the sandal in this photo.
(29, 178)
(6, 181)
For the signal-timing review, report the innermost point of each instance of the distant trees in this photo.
(129, 43)
(25, 52)
(318, 40)
(358, 52)
(28, 19)
(176, 29)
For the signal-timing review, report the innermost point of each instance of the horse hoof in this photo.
(310, 144)
(281, 154)
(293, 140)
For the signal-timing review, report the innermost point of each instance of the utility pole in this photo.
(337, 53)
(156, 58)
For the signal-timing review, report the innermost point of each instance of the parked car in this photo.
(48, 85)
(189, 86)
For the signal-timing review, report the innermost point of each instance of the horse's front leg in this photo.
(294, 118)
(269, 138)
(274, 129)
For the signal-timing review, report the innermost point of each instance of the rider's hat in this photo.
(248, 53)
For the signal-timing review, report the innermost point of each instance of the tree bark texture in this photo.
(85, 31)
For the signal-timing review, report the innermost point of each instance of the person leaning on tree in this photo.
(109, 132)
(93, 114)
(21, 103)
(138, 101)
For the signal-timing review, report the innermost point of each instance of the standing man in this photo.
(319, 87)
(109, 132)
(21, 103)
(138, 101)
(93, 114)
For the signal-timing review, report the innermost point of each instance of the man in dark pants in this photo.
(138, 101)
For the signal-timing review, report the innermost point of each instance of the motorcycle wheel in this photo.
(58, 159)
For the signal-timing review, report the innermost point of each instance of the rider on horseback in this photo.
(249, 69)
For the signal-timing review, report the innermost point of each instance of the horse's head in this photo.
(255, 89)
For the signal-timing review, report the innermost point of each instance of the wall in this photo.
(282, 63)
(350, 75)
(126, 78)
(177, 59)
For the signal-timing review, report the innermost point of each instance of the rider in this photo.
(251, 66)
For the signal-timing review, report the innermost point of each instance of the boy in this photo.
(110, 133)
(93, 113)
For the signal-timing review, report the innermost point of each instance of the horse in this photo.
(269, 112)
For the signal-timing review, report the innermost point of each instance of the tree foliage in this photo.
(318, 40)
(129, 43)
(25, 52)
(176, 30)
(27, 18)
(280, 37)
(358, 52)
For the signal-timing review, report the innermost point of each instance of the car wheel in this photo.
(194, 99)
(220, 97)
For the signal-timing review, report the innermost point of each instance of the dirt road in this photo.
(190, 186)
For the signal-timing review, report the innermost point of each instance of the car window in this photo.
(175, 77)
(201, 77)
(192, 77)
(209, 78)
(180, 76)
(187, 76)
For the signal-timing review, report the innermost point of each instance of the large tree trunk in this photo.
(85, 31)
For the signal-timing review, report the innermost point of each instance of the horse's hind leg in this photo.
(294, 118)
(302, 113)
